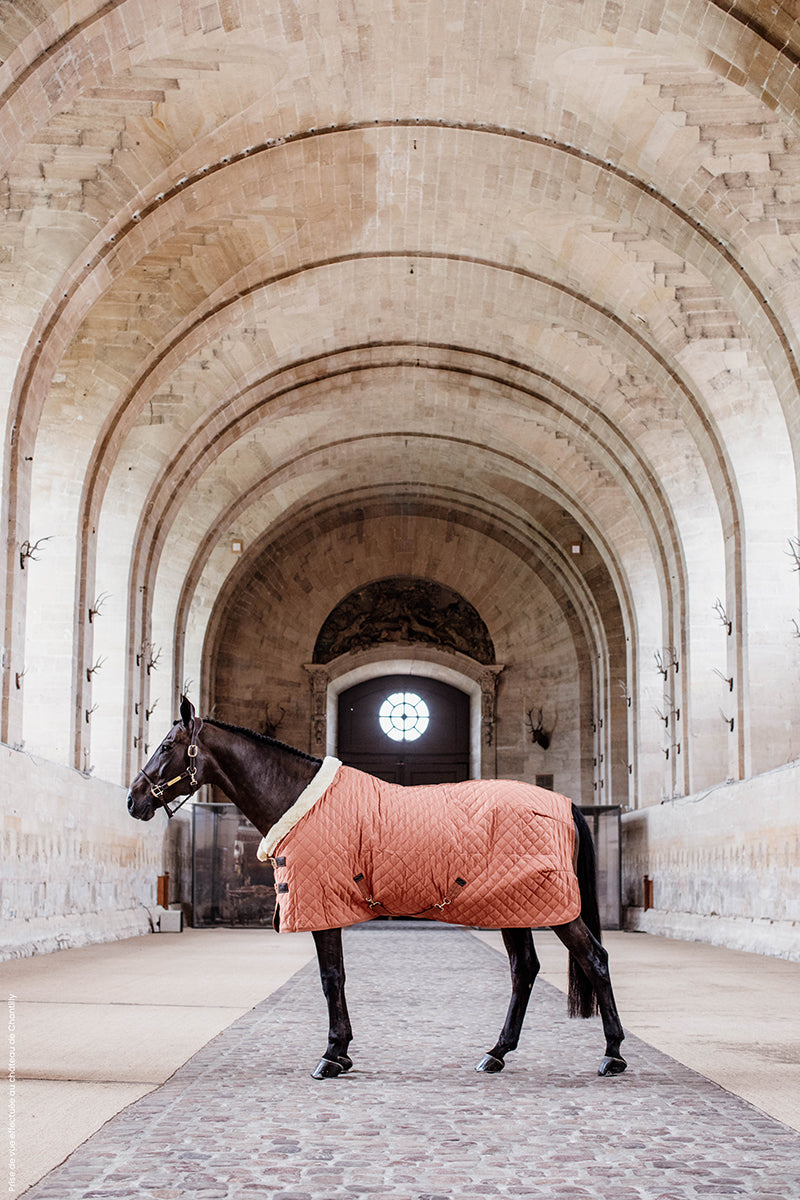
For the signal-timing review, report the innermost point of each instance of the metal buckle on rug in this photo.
(361, 884)
(461, 883)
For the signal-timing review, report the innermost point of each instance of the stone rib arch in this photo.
(229, 518)
(587, 628)
(87, 520)
(170, 486)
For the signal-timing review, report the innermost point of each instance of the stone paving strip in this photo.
(243, 1120)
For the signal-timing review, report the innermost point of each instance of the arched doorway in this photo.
(406, 729)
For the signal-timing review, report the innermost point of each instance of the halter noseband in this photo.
(157, 790)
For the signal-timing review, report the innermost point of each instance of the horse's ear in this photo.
(187, 711)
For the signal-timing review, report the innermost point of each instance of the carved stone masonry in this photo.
(488, 682)
(319, 680)
(404, 611)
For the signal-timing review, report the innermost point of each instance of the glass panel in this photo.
(229, 885)
(404, 717)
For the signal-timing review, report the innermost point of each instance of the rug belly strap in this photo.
(376, 905)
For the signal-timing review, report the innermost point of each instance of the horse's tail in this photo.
(581, 998)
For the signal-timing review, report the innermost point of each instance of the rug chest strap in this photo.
(381, 910)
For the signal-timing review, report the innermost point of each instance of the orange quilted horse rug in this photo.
(494, 853)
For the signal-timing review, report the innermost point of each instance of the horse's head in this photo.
(172, 771)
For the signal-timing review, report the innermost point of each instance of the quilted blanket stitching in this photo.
(516, 851)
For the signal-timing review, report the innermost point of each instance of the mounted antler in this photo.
(725, 678)
(94, 609)
(666, 660)
(28, 550)
(272, 724)
(538, 735)
(91, 670)
(722, 613)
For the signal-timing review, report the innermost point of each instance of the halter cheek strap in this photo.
(157, 790)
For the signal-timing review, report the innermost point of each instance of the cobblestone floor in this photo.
(413, 1120)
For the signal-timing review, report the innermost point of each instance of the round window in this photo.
(404, 717)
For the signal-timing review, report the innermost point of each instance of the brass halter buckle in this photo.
(157, 790)
(191, 770)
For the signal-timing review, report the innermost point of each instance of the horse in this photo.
(265, 778)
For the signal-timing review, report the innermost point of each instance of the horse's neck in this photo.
(263, 780)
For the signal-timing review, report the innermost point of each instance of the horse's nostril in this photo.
(130, 804)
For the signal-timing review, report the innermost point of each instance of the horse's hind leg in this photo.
(524, 969)
(335, 1060)
(592, 958)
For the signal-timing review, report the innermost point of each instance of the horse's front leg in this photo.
(524, 969)
(331, 970)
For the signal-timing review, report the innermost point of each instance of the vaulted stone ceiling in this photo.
(438, 290)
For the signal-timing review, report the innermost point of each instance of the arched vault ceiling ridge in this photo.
(623, 460)
(521, 384)
(670, 573)
(56, 41)
(447, 503)
(525, 539)
(159, 365)
(88, 520)
(110, 242)
(158, 521)
(656, 516)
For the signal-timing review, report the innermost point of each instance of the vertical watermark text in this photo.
(12, 1093)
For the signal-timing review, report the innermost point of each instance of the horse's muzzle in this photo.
(142, 809)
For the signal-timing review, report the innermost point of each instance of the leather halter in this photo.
(157, 790)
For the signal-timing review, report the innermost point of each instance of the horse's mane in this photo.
(262, 738)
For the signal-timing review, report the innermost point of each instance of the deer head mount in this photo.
(272, 722)
(539, 736)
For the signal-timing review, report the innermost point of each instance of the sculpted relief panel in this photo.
(406, 611)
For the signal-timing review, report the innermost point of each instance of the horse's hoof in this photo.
(611, 1066)
(490, 1064)
(327, 1068)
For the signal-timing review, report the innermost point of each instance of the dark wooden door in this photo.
(405, 729)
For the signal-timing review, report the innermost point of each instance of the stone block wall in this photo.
(76, 868)
(724, 865)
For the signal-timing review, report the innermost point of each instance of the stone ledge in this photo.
(43, 935)
(781, 939)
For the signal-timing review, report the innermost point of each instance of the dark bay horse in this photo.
(263, 778)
